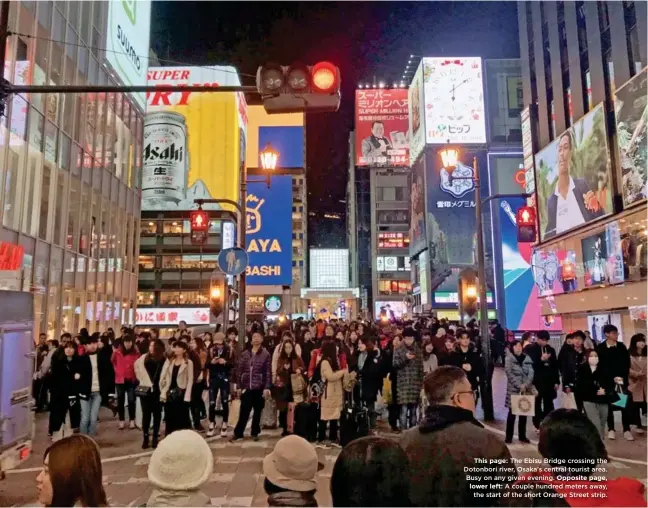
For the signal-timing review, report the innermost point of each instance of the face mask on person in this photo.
(593, 361)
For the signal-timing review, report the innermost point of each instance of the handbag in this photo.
(387, 391)
(175, 395)
(234, 412)
(290, 417)
(523, 405)
(623, 398)
(143, 391)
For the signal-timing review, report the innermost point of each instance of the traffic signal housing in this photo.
(299, 88)
(526, 224)
(199, 220)
(217, 295)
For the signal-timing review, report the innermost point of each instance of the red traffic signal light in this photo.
(299, 88)
(526, 223)
(199, 220)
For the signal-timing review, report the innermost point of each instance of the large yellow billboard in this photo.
(193, 141)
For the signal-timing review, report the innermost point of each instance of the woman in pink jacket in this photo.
(123, 360)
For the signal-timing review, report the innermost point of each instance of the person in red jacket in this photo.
(576, 464)
(316, 357)
(123, 360)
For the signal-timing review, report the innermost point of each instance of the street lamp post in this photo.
(450, 157)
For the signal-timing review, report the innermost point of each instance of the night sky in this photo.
(365, 39)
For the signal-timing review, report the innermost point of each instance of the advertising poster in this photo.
(416, 115)
(191, 140)
(451, 221)
(390, 310)
(602, 257)
(631, 112)
(269, 231)
(417, 196)
(554, 271)
(382, 127)
(170, 316)
(573, 177)
(596, 322)
(127, 41)
(454, 101)
(521, 294)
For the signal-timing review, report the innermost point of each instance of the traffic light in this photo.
(199, 226)
(299, 88)
(469, 292)
(526, 224)
(217, 295)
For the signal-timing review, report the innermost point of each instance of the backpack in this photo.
(317, 384)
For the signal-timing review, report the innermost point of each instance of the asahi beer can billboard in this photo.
(192, 140)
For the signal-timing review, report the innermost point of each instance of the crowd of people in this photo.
(328, 383)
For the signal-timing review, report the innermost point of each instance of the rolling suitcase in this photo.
(305, 421)
(354, 421)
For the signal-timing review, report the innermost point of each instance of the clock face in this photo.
(273, 303)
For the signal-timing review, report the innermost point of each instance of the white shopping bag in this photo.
(523, 405)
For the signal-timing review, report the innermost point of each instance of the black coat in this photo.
(370, 377)
(63, 383)
(545, 374)
(458, 358)
(588, 383)
(106, 377)
(570, 360)
(614, 361)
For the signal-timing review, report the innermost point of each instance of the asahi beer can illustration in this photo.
(166, 162)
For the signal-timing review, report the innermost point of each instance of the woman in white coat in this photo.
(176, 382)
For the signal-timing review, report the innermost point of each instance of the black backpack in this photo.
(317, 384)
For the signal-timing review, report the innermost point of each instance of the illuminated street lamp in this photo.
(450, 159)
(269, 158)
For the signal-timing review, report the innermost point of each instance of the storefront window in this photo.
(16, 161)
(183, 298)
(45, 218)
(145, 298)
(148, 227)
(172, 227)
(147, 262)
(391, 287)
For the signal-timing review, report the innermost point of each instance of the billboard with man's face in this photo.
(382, 127)
(573, 177)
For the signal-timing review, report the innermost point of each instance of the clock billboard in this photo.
(453, 93)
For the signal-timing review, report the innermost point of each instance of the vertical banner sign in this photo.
(193, 142)
(382, 127)
(527, 154)
(129, 29)
(416, 115)
(417, 200)
(269, 232)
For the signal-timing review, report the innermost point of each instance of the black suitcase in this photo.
(354, 422)
(306, 418)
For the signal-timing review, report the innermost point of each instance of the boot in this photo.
(145, 444)
(155, 441)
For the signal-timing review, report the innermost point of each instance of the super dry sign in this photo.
(269, 231)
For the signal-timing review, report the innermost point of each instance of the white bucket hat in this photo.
(182, 461)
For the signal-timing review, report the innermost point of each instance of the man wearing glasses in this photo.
(450, 452)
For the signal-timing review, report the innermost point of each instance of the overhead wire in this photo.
(164, 60)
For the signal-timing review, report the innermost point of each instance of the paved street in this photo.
(237, 479)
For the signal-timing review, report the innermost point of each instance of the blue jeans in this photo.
(405, 422)
(90, 413)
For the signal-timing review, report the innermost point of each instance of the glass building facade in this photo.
(70, 171)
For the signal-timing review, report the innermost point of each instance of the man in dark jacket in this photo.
(614, 362)
(96, 385)
(448, 450)
(573, 356)
(220, 368)
(546, 376)
(254, 381)
(467, 358)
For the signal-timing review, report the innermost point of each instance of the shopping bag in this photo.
(290, 417)
(523, 405)
(298, 385)
(387, 391)
(623, 398)
(269, 414)
(569, 401)
(234, 412)
(380, 404)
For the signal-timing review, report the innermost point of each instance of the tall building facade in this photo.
(70, 166)
(584, 91)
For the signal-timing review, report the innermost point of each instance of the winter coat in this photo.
(254, 370)
(277, 352)
(333, 397)
(410, 374)
(447, 441)
(316, 358)
(637, 378)
(282, 390)
(370, 378)
(217, 371)
(546, 375)
(162, 497)
(63, 383)
(458, 358)
(570, 360)
(149, 371)
(184, 380)
(124, 364)
(517, 375)
(589, 383)
(106, 377)
(614, 361)
(291, 498)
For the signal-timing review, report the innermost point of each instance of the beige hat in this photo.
(292, 465)
(219, 336)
